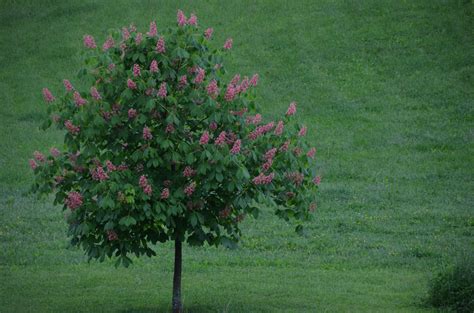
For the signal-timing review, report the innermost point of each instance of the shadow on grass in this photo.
(187, 309)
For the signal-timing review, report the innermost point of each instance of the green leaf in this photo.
(127, 221)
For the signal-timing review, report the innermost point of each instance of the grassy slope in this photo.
(386, 89)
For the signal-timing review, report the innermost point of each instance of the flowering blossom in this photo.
(291, 109)
(212, 89)
(213, 125)
(39, 156)
(192, 20)
(47, 95)
(131, 84)
(295, 177)
(68, 85)
(162, 91)
(138, 38)
(111, 66)
(112, 235)
(208, 33)
(143, 182)
(110, 166)
(169, 128)
(311, 153)
(153, 31)
(89, 42)
(136, 70)
(71, 127)
(279, 128)
(220, 141)
(228, 44)
(54, 152)
(302, 131)
(244, 85)
(189, 189)
(204, 138)
(33, 164)
(297, 151)
(147, 133)
(261, 130)
(181, 18)
(165, 193)
(109, 43)
(188, 171)
(160, 45)
(236, 147)
(270, 154)
(235, 80)
(263, 179)
(132, 113)
(317, 180)
(125, 33)
(284, 146)
(200, 75)
(254, 80)
(99, 174)
(183, 81)
(154, 66)
(254, 119)
(95, 94)
(266, 166)
(73, 200)
(78, 100)
(230, 93)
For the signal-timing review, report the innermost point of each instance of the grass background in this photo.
(386, 88)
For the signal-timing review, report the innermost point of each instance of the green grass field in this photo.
(387, 90)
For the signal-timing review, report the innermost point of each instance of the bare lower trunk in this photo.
(177, 305)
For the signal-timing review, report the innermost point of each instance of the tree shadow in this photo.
(196, 308)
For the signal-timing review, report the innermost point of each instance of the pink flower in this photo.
(47, 95)
(254, 80)
(89, 42)
(302, 131)
(311, 153)
(220, 141)
(33, 164)
(138, 38)
(39, 156)
(235, 80)
(147, 133)
(212, 89)
(254, 119)
(181, 18)
(73, 200)
(261, 130)
(189, 190)
(244, 85)
(99, 174)
(132, 113)
(213, 125)
(266, 166)
(230, 93)
(112, 235)
(71, 127)
(148, 190)
(317, 180)
(154, 66)
(109, 43)
(291, 109)
(111, 66)
(192, 20)
(110, 166)
(228, 44)
(78, 99)
(153, 31)
(169, 128)
(160, 45)
(270, 154)
(236, 147)
(68, 85)
(296, 177)
(263, 179)
(95, 94)
(162, 91)
(136, 70)
(54, 152)
(208, 33)
(284, 146)
(183, 81)
(279, 128)
(131, 84)
(188, 171)
(204, 138)
(125, 33)
(143, 181)
(200, 75)
(165, 193)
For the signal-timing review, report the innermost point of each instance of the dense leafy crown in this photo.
(162, 147)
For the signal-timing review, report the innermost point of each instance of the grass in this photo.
(386, 90)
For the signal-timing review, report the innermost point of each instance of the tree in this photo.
(162, 148)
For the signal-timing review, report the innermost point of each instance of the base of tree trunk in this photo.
(176, 301)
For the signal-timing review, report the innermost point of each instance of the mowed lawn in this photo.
(386, 89)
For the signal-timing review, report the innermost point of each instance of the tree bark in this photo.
(177, 305)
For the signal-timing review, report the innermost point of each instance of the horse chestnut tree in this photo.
(162, 147)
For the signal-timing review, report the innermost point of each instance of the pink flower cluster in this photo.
(78, 100)
(208, 33)
(110, 166)
(54, 152)
(192, 20)
(296, 177)
(125, 33)
(285, 146)
(254, 80)
(279, 128)
(73, 200)
(228, 44)
(131, 84)
(188, 171)
(183, 81)
(33, 164)
(169, 128)
(270, 154)
(47, 95)
(263, 179)
(147, 133)
(143, 182)
(95, 94)
(67, 85)
(317, 180)
(200, 75)
(302, 131)
(162, 92)
(132, 113)
(213, 125)
(254, 119)
(109, 43)
(99, 174)
(153, 31)
(212, 89)
(291, 109)
(261, 130)
(204, 138)
(136, 70)
(160, 45)
(220, 140)
(189, 189)
(138, 38)
(311, 153)
(39, 156)
(165, 193)
(112, 235)
(73, 129)
(236, 147)
(154, 66)
(181, 18)
(230, 93)
(89, 42)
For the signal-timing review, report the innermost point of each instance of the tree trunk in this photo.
(177, 305)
